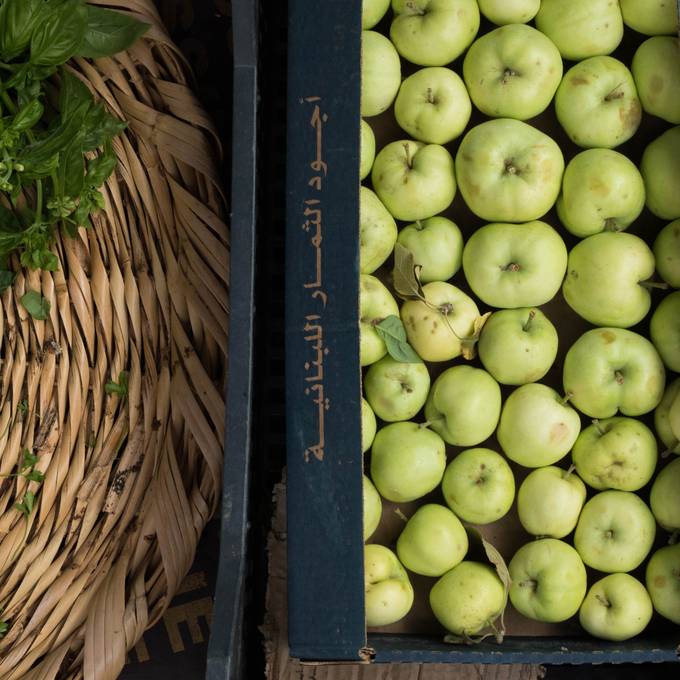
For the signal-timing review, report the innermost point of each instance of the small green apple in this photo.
(375, 304)
(612, 369)
(433, 32)
(515, 265)
(468, 598)
(464, 405)
(606, 279)
(616, 453)
(512, 72)
(438, 328)
(601, 190)
(615, 531)
(549, 501)
(597, 103)
(389, 593)
(437, 246)
(433, 541)
(372, 508)
(537, 426)
(395, 390)
(414, 180)
(667, 253)
(664, 497)
(502, 12)
(368, 426)
(617, 607)
(674, 416)
(581, 28)
(662, 423)
(380, 73)
(508, 171)
(433, 105)
(659, 167)
(664, 330)
(548, 580)
(479, 486)
(372, 11)
(663, 581)
(407, 461)
(518, 346)
(377, 231)
(366, 149)
(656, 70)
(651, 17)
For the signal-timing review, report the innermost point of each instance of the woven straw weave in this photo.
(129, 482)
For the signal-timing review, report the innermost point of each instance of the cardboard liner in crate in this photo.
(129, 480)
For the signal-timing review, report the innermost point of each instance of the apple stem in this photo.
(415, 9)
(532, 314)
(603, 600)
(511, 267)
(670, 449)
(430, 96)
(597, 425)
(615, 94)
(529, 583)
(409, 158)
(654, 284)
(568, 471)
(419, 225)
(398, 512)
(565, 399)
(619, 377)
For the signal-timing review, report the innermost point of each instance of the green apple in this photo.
(368, 426)
(433, 105)
(372, 11)
(479, 486)
(549, 501)
(662, 423)
(515, 265)
(414, 180)
(667, 253)
(606, 280)
(537, 426)
(375, 304)
(659, 166)
(597, 103)
(407, 461)
(512, 72)
(664, 497)
(438, 329)
(377, 231)
(380, 73)
(651, 17)
(617, 607)
(468, 598)
(664, 330)
(615, 531)
(656, 70)
(367, 149)
(674, 417)
(501, 12)
(433, 32)
(372, 508)
(508, 171)
(548, 580)
(433, 541)
(464, 405)
(663, 581)
(601, 190)
(612, 369)
(616, 453)
(395, 390)
(389, 593)
(581, 28)
(518, 346)
(437, 246)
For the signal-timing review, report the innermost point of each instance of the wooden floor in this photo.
(281, 667)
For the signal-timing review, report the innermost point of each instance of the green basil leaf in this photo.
(36, 305)
(99, 127)
(72, 169)
(99, 169)
(6, 279)
(109, 32)
(40, 258)
(8, 220)
(392, 331)
(57, 38)
(28, 116)
(18, 20)
(74, 95)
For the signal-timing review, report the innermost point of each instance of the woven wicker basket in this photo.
(130, 482)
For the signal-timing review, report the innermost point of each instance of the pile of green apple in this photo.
(455, 334)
